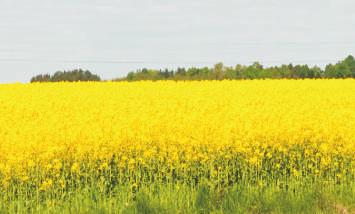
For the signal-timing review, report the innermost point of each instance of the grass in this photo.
(177, 198)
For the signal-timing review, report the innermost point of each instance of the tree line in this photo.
(69, 76)
(342, 69)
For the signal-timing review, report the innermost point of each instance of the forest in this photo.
(342, 69)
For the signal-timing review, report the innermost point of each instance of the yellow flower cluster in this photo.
(61, 135)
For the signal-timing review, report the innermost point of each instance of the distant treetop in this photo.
(68, 76)
(341, 69)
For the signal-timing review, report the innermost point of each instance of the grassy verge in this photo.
(180, 198)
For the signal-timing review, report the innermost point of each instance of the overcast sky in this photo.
(112, 38)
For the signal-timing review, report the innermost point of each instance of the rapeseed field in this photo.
(185, 146)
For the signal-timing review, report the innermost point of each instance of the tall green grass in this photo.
(180, 198)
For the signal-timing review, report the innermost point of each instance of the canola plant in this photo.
(56, 137)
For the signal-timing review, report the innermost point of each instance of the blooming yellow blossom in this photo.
(59, 135)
